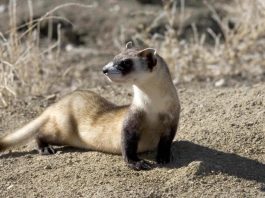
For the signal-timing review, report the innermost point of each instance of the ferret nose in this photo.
(105, 70)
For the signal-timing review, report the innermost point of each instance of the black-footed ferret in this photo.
(84, 119)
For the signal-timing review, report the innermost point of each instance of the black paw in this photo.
(47, 150)
(140, 165)
(163, 159)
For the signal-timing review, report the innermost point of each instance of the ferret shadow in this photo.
(59, 150)
(17, 154)
(213, 161)
(184, 153)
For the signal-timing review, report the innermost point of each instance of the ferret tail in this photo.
(23, 134)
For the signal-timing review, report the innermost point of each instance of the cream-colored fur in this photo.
(158, 96)
(84, 119)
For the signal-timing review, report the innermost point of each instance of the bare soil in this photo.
(219, 149)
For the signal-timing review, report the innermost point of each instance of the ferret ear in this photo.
(150, 55)
(129, 45)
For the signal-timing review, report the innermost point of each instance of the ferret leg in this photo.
(164, 147)
(130, 141)
(129, 152)
(43, 146)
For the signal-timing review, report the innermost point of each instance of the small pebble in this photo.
(48, 167)
(220, 83)
(9, 187)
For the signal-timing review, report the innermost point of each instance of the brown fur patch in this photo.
(49, 133)
(109, 114)
(135, 120)
(127, 53)
(73, 120)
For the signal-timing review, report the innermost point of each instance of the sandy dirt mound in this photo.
(219, 151)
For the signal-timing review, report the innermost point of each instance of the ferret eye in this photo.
(125, 66)
(126, 63)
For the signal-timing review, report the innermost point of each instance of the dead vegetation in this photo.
(24, 56)
(22, 60)
(240, 53)
(236, 52)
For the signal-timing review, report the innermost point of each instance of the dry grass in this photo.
(21, 58)
(242, 52)
(24, 57)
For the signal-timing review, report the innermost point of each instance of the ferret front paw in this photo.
(140, 165)
(48, 150)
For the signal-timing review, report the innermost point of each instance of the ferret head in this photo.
(132, 66)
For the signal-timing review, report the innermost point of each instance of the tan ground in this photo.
(219, 149)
